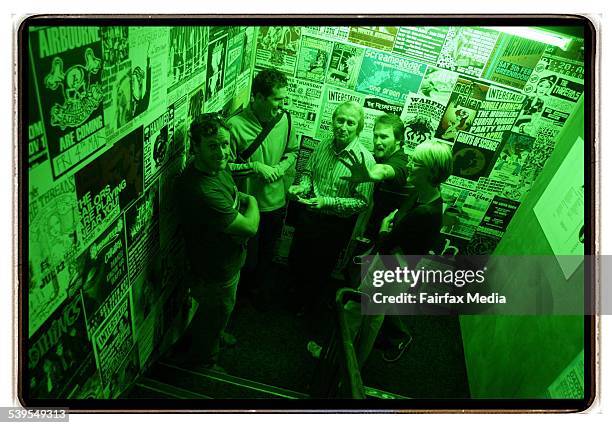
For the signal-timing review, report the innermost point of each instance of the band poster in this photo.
(314, 59)
(277, 47)
(389, 76)
(421, 43)
(466, 50)
(304, 105)
(68, 72)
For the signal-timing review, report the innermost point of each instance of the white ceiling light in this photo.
(538, 35)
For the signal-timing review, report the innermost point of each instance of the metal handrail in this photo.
(350, 366)
(338, 374)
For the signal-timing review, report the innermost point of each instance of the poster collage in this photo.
(109, 109)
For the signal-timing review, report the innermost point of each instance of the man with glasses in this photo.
(413, 230)
(217, 221)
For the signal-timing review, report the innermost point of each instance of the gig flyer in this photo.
(389, 76)
(69, 80)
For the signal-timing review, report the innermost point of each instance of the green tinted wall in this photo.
(524, 357)
(109, 110)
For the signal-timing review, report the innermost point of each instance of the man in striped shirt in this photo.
(330, 205)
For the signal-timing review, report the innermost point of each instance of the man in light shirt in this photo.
(330, 205)
(266, 165)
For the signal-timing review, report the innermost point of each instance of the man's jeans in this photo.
(215, 305)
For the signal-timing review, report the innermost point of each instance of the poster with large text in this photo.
(215, 68)
(57, 351)
(109, 184)
(187, 54)
(37, 142)
(419, 107)
(68, 67)
(474, 156)
(375, 37)
(514, 60)
(304, 104)
(142, 231)
(389, 76)
(329, 33)
(466, 50)
(113, 341)
(470, 207)
(313, 59)
(421, 43)
(53, 247)
(497, 113)
(344, 65)
(102, 275)
(438, 84)
(158, 145)
(462, 107)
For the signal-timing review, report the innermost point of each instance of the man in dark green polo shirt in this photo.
(217, 221)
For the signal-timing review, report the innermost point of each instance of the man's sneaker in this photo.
(314, 349)
(394, 353)
(228, 339)
(215, 368)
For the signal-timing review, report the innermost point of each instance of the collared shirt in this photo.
(274, 151)
(322, 179)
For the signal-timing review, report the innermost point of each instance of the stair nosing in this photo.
(195, 395)
(246, 383)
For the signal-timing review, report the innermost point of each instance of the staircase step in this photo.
(382, 395)
(215, 384)
(161, 380)
(153, 389)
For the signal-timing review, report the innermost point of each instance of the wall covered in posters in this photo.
(109, 109)
(498, 100)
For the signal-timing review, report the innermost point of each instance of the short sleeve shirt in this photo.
(390, 194)
(208, 204)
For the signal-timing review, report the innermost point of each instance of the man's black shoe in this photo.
(215, 368)
(394, 353)
(228, 339)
